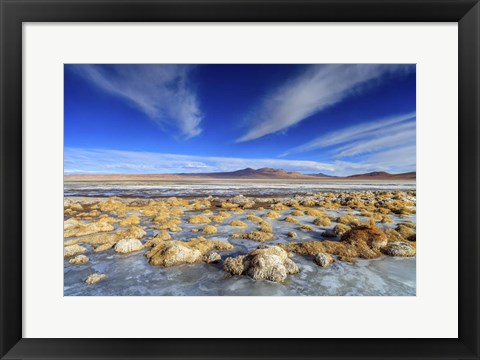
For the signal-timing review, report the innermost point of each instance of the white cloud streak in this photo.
(366, 137)
(316, 89)
(115, 162)
(162, 92)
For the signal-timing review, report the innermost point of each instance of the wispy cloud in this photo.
(163, 92)
(366, 137)
(387, 144)
(115, 161)
(319, 87)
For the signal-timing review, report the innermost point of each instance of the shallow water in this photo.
(131, 275)
(223, 188)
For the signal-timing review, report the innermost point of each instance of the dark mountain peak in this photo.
(269, 170)
(385, 175)
(321, 175)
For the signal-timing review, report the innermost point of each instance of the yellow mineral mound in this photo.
(340, 229)
(98, 239)
(199, 219)
(161, 236)
(161, 218)
(272, 215)
(229, 205)
(255, 219)
(314, 212)
(177, 212)
(306, 227)
(171, 253)
(348, 220)
(322, 221)
(107, 219)
(225, 214)
(104, 247)
(79, 260)
(309, 203)
(406, 231)
(291, 219)
(365, 237)
(72, 250)
(266, 227)
(209, 230)
(174, 202)
(111, 205)
(94, 278)
(238, 223)
(132, 220)
(135, 232)
(81, 228)
(170, 225)
(259, 236)
(279, 207)
(312, 248)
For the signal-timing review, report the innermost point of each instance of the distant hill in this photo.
(381, 175)
(248, 173)
(322, 175)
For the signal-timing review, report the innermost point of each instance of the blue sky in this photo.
(335, 119)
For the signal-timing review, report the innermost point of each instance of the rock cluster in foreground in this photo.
(266, 263)
(324, 227)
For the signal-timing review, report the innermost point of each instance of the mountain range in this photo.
(248, 173)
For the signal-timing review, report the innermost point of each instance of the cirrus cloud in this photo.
(162, 92)
(316, 89)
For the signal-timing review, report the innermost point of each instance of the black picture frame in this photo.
(15, 12)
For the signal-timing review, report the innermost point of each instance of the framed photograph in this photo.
(239, 179)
